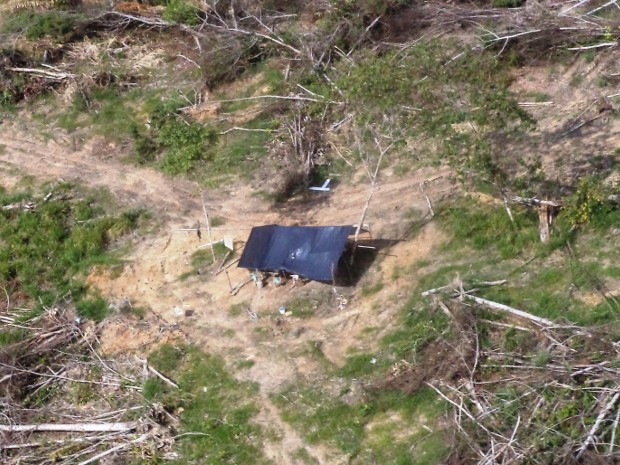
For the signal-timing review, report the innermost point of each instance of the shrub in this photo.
(181, 11)
(588, 204)
(182, 142)
(507, 3)
(185, 144)
(95, 308)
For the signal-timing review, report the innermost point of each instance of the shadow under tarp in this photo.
(366, 252)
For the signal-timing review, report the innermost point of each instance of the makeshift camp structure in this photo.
(312, 252)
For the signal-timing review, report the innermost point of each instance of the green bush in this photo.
(185, 144)
(181, 11)
(182, 142)
(95, 308)
(589, 205)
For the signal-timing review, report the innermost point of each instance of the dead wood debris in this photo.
(550, 397)
(50, 374)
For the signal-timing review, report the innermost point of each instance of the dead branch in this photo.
(373, 185)
(599, 419)
(47, 442)
(276, 97)
(235, 290)
(238, 128)
(535, 201)
(428, 200)
(165, 379)
(227, 266)
(44, 73)
(234, 29)
(71, 427)
(451, 286)
(510, 310)
(114, 449)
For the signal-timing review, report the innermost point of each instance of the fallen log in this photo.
(70, 427)
(43, 72)
(535, 201)
(510, 310)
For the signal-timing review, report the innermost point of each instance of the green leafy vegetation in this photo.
(507, 3)
(45, 251)
(182, 11)
(183, 143)
(36, 24)
(216, 408)
(417, 90)
(589, 205)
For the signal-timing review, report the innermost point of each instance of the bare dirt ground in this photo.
(577, 132)
(274, 343)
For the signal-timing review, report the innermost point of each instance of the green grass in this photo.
(215, 405)
(45, 253)
(485, 228)
(302, 307)
(182, 11)
(39, 24)
(108, 111)
(378, 427)
(238, 153)
(203, 258)
(9, 336)
(95, 308)
(485, 245)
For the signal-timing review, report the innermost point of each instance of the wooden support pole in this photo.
(204, 208)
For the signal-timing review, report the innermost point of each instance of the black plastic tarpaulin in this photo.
(309, 251)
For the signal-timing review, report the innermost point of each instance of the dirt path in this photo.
(151, 279)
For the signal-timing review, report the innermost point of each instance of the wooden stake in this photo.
(229, 283)
(227, 266)
(544, 217)
(204, 207)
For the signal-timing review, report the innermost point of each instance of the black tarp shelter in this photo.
(309, 251)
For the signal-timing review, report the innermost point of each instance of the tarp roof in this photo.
(309, 251)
